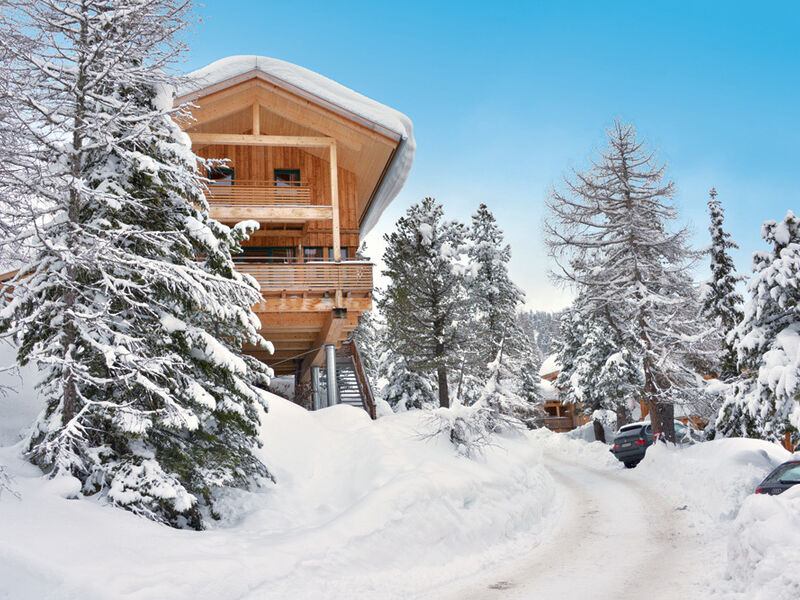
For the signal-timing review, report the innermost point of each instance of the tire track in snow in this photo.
(616, 539)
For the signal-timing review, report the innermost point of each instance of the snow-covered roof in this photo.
(329, 92)
(548, 391)
(550, 365)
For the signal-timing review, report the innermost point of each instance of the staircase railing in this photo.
(367, 397)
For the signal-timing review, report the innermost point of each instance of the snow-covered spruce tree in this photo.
(719, 297)
(609, 232)
(505, 393)
(765, 401)
(543, 328)
(404, 388)
(494, 303)
(424, 302)
(128, 301)
(597, 372)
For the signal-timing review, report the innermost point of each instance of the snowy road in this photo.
(616, 539)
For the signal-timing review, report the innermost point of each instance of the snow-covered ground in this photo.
(377, 510)
(357, 508)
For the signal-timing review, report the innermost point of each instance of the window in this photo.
(267, 254)
(287, 177)
(221, 175)
(313, 253)
(281, 253)
(344, 252)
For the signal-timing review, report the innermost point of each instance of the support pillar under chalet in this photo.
(315, 395)
(330, 356)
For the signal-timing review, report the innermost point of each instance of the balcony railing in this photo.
(556, 423)
(317, 276)
(255, 193)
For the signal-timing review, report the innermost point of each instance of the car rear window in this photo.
(786, 474)
(629, 428)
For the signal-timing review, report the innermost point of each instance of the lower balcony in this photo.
(320, 286)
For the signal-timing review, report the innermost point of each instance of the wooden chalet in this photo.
(315, 164)
(559, 416)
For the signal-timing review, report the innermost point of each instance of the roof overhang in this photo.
(324, 93)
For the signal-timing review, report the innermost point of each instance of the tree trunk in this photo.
(622, 415)
(599, 432)
(444, 392)
(668, 421)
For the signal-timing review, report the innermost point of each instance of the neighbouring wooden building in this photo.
(559, 416)
(315, 164)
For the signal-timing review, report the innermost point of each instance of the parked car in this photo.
(781, 479)
(631, 441)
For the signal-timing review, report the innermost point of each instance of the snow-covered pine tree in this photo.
(128, 299)
(541, 327)
(597, 372)
(404, 388)
(765, 401)
(424, 302)
(506, 393)
(495, 300)
(719, 297)
(609, 232)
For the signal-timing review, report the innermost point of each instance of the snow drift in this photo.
(357, 506)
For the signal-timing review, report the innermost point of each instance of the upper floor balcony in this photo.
(265, 201)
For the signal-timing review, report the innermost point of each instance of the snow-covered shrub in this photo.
(469, 428)
(5, 483)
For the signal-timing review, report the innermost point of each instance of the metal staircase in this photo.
(353, 385)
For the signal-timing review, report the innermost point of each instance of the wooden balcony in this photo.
(557, 424)
(259, 193)
(317, 276)
(265, 202)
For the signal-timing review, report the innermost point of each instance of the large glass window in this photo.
(287, 177)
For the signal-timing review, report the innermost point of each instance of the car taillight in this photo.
(760, 491)
(616, 446)
(640, 442)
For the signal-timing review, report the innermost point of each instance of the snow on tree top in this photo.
(333, 93)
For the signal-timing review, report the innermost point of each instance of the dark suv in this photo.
(631, 441)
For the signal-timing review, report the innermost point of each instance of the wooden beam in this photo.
(204, 115)
(337, 240)
(271, 214)
(256, 119)
(344, 132)
(241, 139)
(330, 334)
(319, 304)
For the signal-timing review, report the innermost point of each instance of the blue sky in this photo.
(506, 97)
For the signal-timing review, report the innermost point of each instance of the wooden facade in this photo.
(307, 172)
